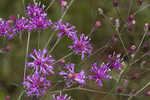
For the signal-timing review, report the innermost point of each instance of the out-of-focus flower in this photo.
(81, 45)
(70, 76)
(61, 97)
(100, 72)
(34, 10)
(42, 62)
(64, 29)
(115, 61)
(36, 23)
(36, 85)
(4, 27)
(21, 25)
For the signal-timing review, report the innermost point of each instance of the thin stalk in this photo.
(63, 57)
(145, 86)
(121, 41)
(61, 18)
(88, 90)
(27, 50)
(39, 35)
(21, 94)
(57, 41)
(141, 42)
(50, 4)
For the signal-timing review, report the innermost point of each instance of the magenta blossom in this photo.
(70, 76)
(4, 27)
(42, 62)
(35, 10)
(81, 45)
(36, 85)
(100, 72)
(115, 62)
(64, 29)
(61, 97)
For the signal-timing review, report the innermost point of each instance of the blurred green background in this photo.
(83, 14)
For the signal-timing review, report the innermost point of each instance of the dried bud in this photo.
(115, 3)
(63, 3)
(7, 48)
(120, 89)
(117, 22)
(131, 17)
(147, 93)
(140, 2)
(7, 98)
(62, 61)
(100, 11)
(133, 91)
(97, 24)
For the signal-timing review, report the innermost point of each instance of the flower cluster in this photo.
(64, 29)
(36, 85)
(42, 64)
(100, 72)
(70, 76)
(115, 61)
(4, 27)
(36, 19)
(81, 45)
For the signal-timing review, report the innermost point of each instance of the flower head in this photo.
(70, 76)
(36, 85)
(42, 62)
(64, 29)
(114, 61)
(99, 72)
(37, 23)
(61, 97)
(34, 10)
(21, 25)
(82, 45)
(4, 27)
(37, 17)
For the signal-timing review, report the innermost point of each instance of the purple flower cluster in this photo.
(100, 72)
(36, 85)
(64, 29)
(4, 27)
(115, 62)
(36, 19)
(61, 97)
(70, 76)
(42, 64)
(82, 45)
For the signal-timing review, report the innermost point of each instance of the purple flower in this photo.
(4, 27)
(114, 61)
(61, 97)
(70, 76)
(64, 29)
(81, 46)
(36, 85)
(37, 17)
(99, 72)
(35, 11)
(21, 25)
(38, 23)
(42, 62)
